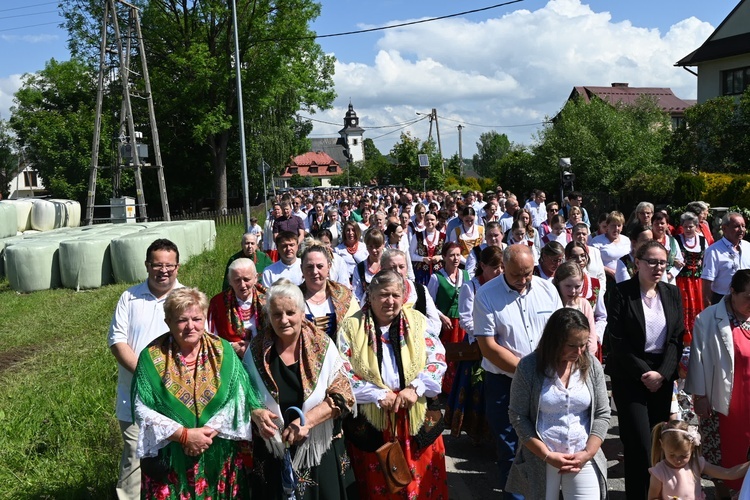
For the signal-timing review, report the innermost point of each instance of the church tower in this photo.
(352, 135)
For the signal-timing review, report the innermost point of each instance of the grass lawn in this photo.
(58, 434)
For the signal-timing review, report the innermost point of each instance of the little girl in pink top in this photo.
(677, 464)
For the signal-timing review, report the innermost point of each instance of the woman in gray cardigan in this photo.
(560, 410)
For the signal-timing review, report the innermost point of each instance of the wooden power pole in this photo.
(129, 152)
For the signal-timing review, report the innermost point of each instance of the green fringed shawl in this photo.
(152, 387)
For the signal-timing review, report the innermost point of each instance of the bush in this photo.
(687, 188)
(716, 191)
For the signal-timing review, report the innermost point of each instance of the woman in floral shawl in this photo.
(296, 365)
(395, 366)
(193, 404)
(235, 314)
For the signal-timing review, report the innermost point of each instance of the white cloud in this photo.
(510, 70)
(8, 86)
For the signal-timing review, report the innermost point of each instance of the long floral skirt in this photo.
(453, 334)
(464, 410)
(430, 480)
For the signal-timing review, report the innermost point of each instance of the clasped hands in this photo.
(293, 434)
(198, 440)
(568, 462)
(652, 380)
(405, 399)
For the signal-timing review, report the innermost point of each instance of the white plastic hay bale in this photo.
(128, 254)
(32, 265)
(176, 234)
(85, 262)
(46, 215)
(194, 232)
(70, 212)
(8, 220)
(23, 212)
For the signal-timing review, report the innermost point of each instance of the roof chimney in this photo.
(619, 84)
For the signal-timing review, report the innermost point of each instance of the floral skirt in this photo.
(454, 334)
(223, 472)
(464, 410)
(691, 290)
(430, 480)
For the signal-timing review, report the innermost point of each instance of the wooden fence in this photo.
(232, 216)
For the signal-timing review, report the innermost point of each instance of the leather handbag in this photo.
(462, 351)
(393, 464)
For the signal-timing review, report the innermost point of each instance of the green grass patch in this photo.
(58, 434)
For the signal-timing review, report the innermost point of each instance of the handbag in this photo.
(393, 463)
(433, 426)
(462, 351)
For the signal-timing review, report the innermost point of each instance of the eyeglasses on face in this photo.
(655, 263)
(162, 267)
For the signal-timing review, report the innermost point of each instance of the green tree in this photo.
(406, 170)
(8, 159)
(715, 138)
(189, 48)
(492, 146)
(608, 145)
(53, 120)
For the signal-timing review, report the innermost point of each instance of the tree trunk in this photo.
(219, 156)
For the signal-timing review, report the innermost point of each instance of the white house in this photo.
(27, 183)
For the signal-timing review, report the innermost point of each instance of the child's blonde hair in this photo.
(673, 434)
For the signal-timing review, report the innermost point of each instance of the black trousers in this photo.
(638, 411)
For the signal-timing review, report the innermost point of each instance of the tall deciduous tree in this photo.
(492, 146)
(405, 154)
(8, 160)
(608, 145)
(53, 120)
(189, 48)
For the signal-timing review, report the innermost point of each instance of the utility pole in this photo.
(460, 152)
(241, 119)
(437, 131)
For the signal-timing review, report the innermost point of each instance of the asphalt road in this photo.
(472, 469)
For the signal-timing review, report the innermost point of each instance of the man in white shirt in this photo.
(289, 265)
(724, 258)
(510, 313)
(537, 208)
(511, 207)
(137, 321)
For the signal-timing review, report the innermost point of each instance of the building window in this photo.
(331, 168)
(354, 142)
(735, 81)
(29, 179)
(313, 170)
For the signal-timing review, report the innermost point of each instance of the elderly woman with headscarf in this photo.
(193, 404)
(235, 314)
(294, 364)
(395, 364)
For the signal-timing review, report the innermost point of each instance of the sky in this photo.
(506, 69)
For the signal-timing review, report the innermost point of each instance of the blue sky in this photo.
(507, 68)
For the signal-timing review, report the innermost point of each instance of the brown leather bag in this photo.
(394, 465)
(462, 351)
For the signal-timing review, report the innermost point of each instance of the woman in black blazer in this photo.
(644, 330)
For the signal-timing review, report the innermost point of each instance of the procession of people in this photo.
(345, 342)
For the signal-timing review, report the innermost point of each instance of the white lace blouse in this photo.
(155, 428)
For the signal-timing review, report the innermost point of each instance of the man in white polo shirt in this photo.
(138, 320)
(510, 313)
(724, 258)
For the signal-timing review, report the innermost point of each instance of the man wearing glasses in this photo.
(137, 321)
(724, 258)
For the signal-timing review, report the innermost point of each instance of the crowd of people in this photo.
(358, 324)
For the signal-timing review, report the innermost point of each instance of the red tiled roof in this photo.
(624, 94)
(304, 162)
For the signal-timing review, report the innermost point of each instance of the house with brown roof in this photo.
(723, 61)
(317, 165)
(623, 93)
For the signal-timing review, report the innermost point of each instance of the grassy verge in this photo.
(58, 434)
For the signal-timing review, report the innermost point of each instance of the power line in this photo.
(408, 122)
(493, 126)
(27, 15)
(29, 26)
(391, 26)
(28, 6)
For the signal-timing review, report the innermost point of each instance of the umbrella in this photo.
(288, 476)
